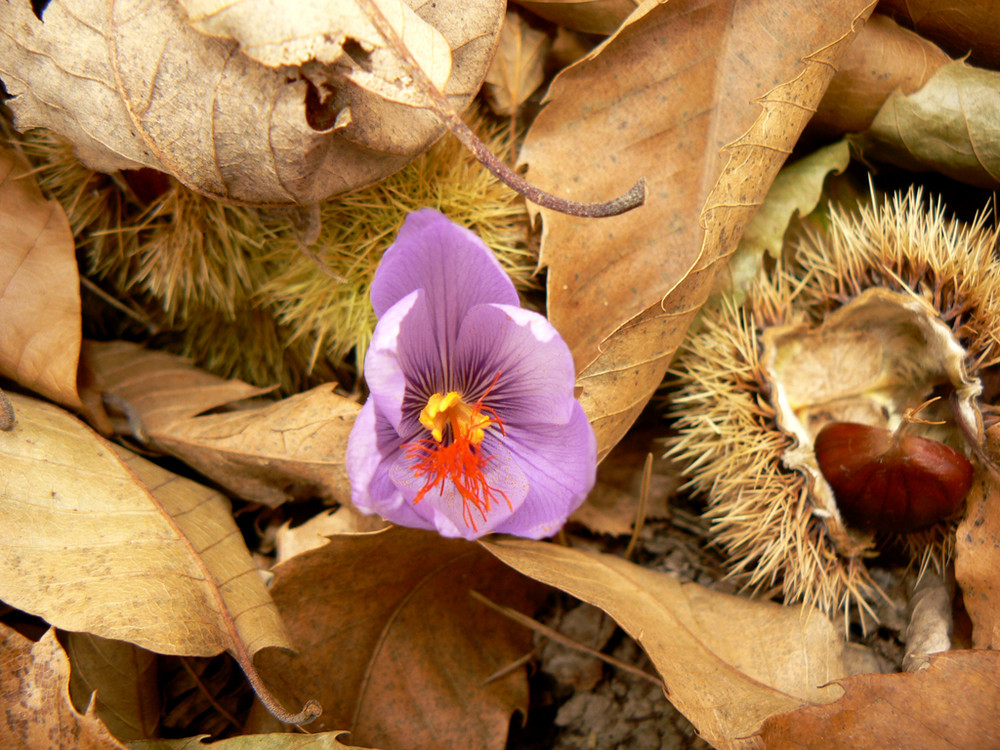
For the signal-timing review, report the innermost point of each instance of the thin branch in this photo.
(439, 104)
(555, 635)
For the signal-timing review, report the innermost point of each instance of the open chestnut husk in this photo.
(888, 481)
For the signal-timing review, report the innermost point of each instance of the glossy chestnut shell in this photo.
(891, 482)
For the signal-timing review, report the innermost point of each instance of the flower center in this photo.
(455, 454)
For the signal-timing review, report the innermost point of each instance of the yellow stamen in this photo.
(468, 423)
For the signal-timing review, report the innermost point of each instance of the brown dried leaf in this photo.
(947, 126)
(518, 67)
(296, 32)
(977, 551)
(268, 454)
(133, 84)
(96, 539)
(884, 58)
(390, 615)
(34, 690)
(591, 16)
(704, 102)
(290, 541)
(953, 704)
(962, 26)
(322, 741)
(39, 332)
(153, 389)
(120, 678)
(728, 663)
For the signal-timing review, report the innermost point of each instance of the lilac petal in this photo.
(451, 264)
(373, 447)
(444, 508)
(536, 373)
(560, 462)
(404, 353)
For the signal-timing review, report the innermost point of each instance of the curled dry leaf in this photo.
(977, 551)
(591, 16)
(884, 58)
(947, 126)
(953, 704)
(390, 614)
(705, 102)
(133, 84)
(39, 333)
(728, 663)
(95, 539)
(34, 689)
(268, 454)
(964, 27)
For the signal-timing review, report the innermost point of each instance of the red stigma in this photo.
(460, 461)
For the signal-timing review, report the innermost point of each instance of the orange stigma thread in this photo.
(459, 459)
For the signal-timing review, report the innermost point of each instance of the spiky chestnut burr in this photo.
(885, 307)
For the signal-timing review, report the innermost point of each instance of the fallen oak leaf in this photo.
(728, 663)
(977, 550)
(590, 16)
(118, 679)
(707, 99)
(40, 334)
(390, 614)
(96, 539)
(34, 689)
(304, 31)
(133, 84)
(269, 453)
(518, 66)
(318, 741)
(952, 704)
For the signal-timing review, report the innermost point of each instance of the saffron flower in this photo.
(471, 426)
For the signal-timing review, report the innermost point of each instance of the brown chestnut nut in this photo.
(889, 481)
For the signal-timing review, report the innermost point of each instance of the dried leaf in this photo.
(728, 662)
(319, 741)
(287, 449)
(705, 103)
(133, 84)
(153, 389)
(390, 615)
(290, 541)
(591, 16)
(518, 67)
(120, 678)
(977, 551)
(796, 190)
(962, 26)
(277, 34)
(948, 126)
(931, 621)
(39, 333)
(884, 58)
(953, 704)
(34, 690)
(95, 539)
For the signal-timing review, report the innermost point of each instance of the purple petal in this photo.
(443, 508)
(560, 462)
(536, 374)
(372, 448)
(404, 354)
(451, 264)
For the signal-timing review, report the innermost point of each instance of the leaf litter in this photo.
(238, 542)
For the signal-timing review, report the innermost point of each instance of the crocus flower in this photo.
(471, 426)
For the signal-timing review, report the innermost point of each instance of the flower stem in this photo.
(439, 104)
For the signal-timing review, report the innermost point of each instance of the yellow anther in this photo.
(467, 423)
